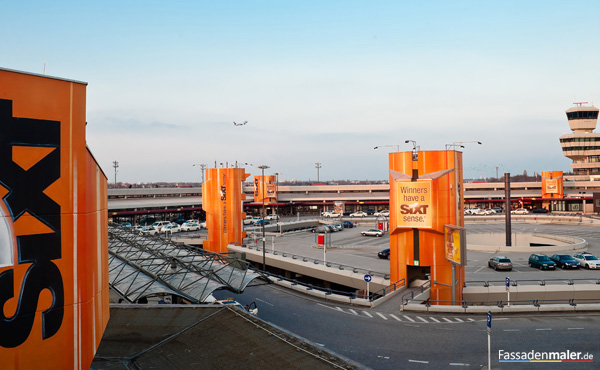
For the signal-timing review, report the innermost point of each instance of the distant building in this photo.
(583, 145)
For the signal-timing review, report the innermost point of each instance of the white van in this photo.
(158, 225)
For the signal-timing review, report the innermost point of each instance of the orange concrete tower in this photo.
(222, 197)
(53, 200)
(426, 193)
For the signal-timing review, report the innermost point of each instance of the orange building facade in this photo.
(222, 197)
(269, 191)
(54, 247)
(426, 193)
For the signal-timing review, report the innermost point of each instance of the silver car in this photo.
(500, 263)
(372, 232)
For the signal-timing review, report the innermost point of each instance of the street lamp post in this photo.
(318, 166)
(202, 167)
(277, 194)
(263, 168)
(397, 147)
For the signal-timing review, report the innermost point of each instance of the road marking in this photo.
(339, 309)
(354, 312)
(574, 328)
(368, 314)
(479, 269)
(422, 319)
(458, 364)
(544, 329)
(434, 319)
(458, 320)
(470, 319)
(510, 330)
(408, 318)
(395, 317)
(420, 362)
(447, 320)
(381, 315)
(260, 300)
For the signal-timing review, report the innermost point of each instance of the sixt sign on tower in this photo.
(414, 204)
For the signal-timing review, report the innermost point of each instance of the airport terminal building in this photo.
(582, 146)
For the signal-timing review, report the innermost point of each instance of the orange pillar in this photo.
(423, 205)
(222, 197)
(54, 273)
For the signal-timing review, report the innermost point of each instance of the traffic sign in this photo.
(507, 284)
(489, 322)
(367, 278)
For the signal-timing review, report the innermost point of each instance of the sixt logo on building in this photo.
(29, 164)
(413, 203)
(413, 209)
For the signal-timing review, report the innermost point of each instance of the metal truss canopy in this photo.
(141, 266)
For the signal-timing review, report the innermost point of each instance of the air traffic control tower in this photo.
(583, 145)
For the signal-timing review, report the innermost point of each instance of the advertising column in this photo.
(54, 244)
(425, 195)
(222, 197)
(552, 188)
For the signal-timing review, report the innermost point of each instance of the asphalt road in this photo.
(387, 338)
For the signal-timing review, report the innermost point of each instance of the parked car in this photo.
(172, 228)
(358, 214)
(471, 211)
(540, 210)
(488, 211)
(542, 262)
(158, 225)
(478, 212)
(500, 263)
(348, 224)
(179, 221)
(148, 230)
(272, 217)
(137, 229)
(190, 225)
(321, 229)
(338, 227)
(331, 214)
(384, 254)
(203, 225)
(519, 211)
(587, 260)
(565, 261)
(259, 222)
(249, 220)
(498, 209)
(385, 213)
(126, 224)
(372, 232)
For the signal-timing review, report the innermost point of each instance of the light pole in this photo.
(116, 165)
(277, 194)
(318, 166)
(389, 146)
(456, 143)
(202, 167)
(263, 168)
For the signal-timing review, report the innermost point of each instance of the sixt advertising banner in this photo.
(455, 244)
(222, 196)
(414, 204)
(53, 227)
(270, 189)
(552, 184)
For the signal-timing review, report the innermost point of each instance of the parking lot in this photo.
(349, 247)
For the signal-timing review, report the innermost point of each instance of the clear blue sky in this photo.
(317, 81)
